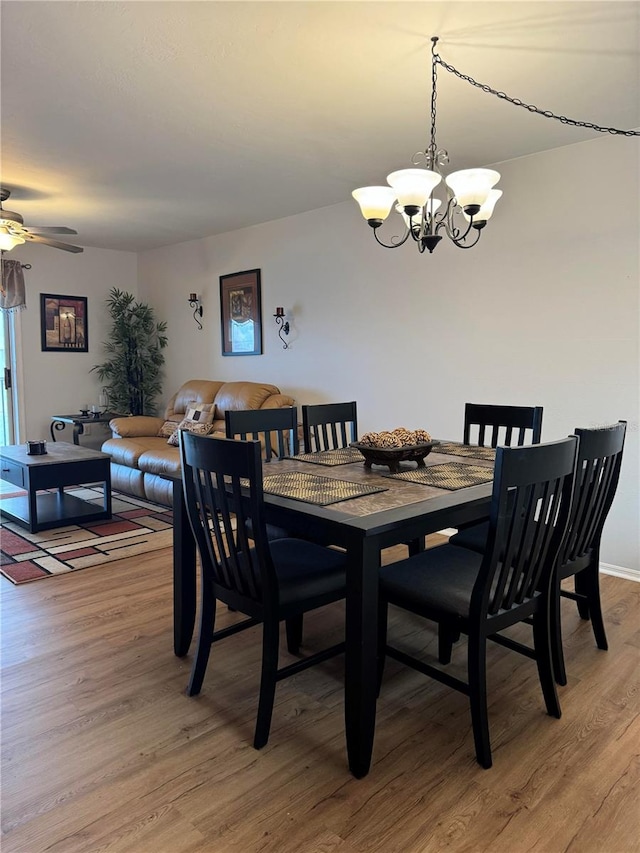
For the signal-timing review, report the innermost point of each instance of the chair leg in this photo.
(447, 636)
(542, 648)
(383, 615)
(557, 652)
(477, 666)
(207, 626)
(270, 640)
(294, 633)
(581, 588)
(592, 585)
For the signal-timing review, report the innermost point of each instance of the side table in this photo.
(58, 422)
(64, 464)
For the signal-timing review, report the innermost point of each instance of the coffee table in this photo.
(63, 465)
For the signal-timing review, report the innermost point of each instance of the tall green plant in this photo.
(132, 373)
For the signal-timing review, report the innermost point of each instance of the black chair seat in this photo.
(307, 572)
(434, 581)
(473, 537)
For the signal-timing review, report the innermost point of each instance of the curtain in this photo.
(12, 294)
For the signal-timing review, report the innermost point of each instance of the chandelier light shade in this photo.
(375, 203)
(470, 194)
(486, 209)
(471, 187)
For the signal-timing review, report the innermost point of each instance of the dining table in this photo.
(395, 508)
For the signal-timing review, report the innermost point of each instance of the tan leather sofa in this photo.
(139, 455)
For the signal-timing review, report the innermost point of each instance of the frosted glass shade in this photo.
(8, 241)
(472, 186)
(375, 202)
(413, 186)
(487, 208)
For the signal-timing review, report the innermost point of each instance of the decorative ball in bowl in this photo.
(390, 448)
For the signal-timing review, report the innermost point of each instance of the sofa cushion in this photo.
(194, 392)
(234, 396)
(127, 451)
(167, 429)
(189, 426)
(202, 413)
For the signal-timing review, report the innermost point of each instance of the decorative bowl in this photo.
(393, 456)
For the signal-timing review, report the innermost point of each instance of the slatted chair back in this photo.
(276, 428)
(530, 508)
(597, 475)
(329, 426)
(507, 425)
(222, 481)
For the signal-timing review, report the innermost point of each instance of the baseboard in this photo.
(620, 572)
(448, 531)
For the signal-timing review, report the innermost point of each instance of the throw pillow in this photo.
(202, 413)
(167, 429)
(190, 426)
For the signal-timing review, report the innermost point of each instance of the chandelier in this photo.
(470, 194)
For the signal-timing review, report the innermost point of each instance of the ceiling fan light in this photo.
(8, 241)
(471, 187)
(413, 186)
(486, 209)
(375, 202)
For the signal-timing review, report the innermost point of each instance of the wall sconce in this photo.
(283, 326)
(194, 302)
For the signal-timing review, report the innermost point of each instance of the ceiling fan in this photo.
(13, 231)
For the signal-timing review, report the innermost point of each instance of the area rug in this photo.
(137, 527)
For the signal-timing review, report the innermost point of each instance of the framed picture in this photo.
(241, 313)
(63, 323)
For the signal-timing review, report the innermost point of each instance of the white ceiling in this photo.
(143, 124)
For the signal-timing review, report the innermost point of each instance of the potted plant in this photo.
(132, 372)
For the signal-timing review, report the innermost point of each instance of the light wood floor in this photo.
(102, 750)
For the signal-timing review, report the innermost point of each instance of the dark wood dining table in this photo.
(404, 513)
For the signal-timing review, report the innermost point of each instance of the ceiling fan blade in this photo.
(35, 230)
(37, 238)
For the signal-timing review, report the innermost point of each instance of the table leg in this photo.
(184, 574)
(361, 654)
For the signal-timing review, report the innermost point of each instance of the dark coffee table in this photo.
(63, 465)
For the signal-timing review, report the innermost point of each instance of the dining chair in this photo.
(278, 429)
(598, 472)
(267, 581)
(508, 425)
(328, 426)
(481, 594)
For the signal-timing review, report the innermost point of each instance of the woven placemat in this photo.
(339, 456)
(452, 448)
(313, 489)
(450, 475)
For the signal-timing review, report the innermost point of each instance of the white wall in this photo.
(543, 311)
(59, 382)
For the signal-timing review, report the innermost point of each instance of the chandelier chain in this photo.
(437, 59)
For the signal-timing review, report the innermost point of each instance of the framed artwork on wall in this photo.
(241, 313)
(63, 323)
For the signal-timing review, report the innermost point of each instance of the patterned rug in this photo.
(137, 527)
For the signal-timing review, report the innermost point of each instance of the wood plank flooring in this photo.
(103, 751)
